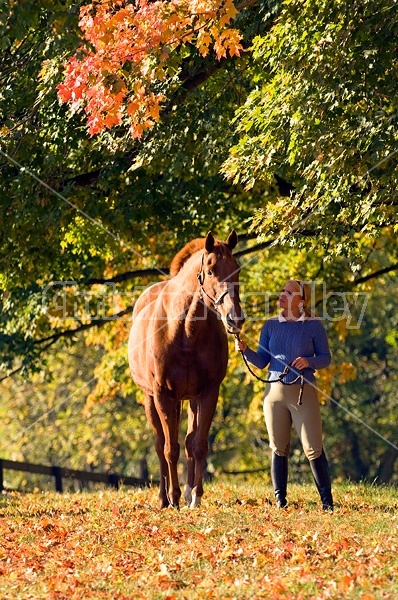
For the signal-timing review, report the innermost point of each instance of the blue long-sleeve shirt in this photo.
(283, 341)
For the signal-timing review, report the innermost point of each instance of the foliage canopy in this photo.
(278, 119)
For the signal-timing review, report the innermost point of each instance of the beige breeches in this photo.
(281, 410)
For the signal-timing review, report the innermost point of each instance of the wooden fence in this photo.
(59, 473)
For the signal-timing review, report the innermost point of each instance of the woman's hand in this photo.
(240, 345)
(300, 363)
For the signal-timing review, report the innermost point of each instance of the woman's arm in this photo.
(322, 356)
(261, 358)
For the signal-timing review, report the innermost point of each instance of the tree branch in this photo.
(375, 274)
(165, 270)
(127, 275)
(67, 333)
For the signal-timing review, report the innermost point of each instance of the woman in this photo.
(298, 338)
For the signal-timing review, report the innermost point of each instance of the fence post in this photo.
(114, 480)
(57, 473)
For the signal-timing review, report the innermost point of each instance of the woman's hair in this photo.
(305, 292)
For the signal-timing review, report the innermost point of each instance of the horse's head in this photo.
(219, 280)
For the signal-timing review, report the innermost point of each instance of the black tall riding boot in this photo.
(279, 469)
(321, 473)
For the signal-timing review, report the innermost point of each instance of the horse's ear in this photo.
(210, 241)
(232, 240)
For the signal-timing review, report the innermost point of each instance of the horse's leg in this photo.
(169, 413)
(153, 418)
(206, 406)
(192, 409)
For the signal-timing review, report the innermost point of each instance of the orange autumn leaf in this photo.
(347, 582)
(132, 107)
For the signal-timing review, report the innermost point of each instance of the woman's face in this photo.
(290, 299)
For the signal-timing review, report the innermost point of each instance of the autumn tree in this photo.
(130, 127)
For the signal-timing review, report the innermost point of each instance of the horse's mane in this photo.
(184, 254)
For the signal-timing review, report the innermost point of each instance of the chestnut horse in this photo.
(178, 351)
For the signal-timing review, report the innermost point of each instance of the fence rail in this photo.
(59, 473)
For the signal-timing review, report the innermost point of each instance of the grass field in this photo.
(119, 545)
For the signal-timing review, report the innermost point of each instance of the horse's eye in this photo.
(210, 272)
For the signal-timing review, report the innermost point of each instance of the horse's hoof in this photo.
(195, 502)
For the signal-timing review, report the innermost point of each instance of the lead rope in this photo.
(286, 370)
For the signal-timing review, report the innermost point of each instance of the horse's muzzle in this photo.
(235, 325)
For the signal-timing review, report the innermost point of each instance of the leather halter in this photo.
(201, 278)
